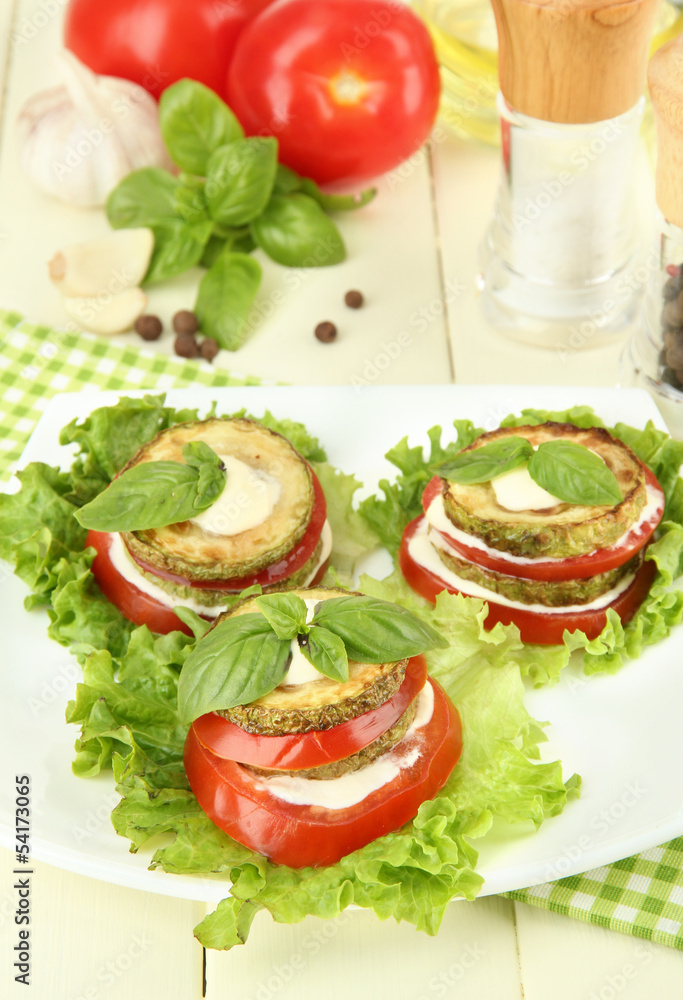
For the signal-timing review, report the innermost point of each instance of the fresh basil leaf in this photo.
(491, 460)
(337, 202)
(285, 612)
(199, 625)
(142, 198)
(178, 246)
(210, 485)
(148, 495)
(293, 230)
(326, 652)
(376, 631)
(212, 476)
(190, 204)
(213, 249)
(239, 660)
(225, 297)
(194, 123)
(286, 180)
(240, 178)
(198, 453)
(574, 473)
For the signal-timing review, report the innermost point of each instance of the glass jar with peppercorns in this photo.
(656, 351)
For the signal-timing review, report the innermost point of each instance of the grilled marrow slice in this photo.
(319, 704)
(187, 549)
(551, 593)
(383, 744)
(562, 530)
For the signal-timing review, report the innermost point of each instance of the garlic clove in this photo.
(107, 313)
(106, 265)
(79, 140)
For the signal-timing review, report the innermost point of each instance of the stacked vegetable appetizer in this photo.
(547, 523)
(325, 731)
(203, 511)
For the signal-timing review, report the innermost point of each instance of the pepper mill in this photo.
(657, 347)
(559, 258)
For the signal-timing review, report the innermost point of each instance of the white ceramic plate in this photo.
(621, 733)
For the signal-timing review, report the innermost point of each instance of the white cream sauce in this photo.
(350, 789)
(422, 548)
(124, 564)
(248, 499)
(437, 517)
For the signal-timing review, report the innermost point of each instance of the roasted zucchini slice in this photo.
(383, 744)
(217, 598)
(552, 593)
(319, 704)
(562, 530)
(187, 549)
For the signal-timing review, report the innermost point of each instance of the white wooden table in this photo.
(413, 254)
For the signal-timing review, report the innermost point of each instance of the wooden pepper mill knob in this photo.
(665, 77)
(573, 61)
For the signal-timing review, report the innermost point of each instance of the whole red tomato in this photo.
(156, 42)
(350, 88)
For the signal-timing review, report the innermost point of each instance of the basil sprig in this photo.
(230, 197)
(244, 657)
(156, 494)
(570, 471)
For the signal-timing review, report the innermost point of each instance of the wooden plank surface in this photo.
(93, 940)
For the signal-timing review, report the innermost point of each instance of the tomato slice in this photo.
(302, 835)
(572, 568)
(137, 606)
(296, 751)
(289, 564)
(534, 626)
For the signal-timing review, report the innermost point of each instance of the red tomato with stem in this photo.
(157, 42)
(296, 751)
(546, 628)
(571, 568)
(350, 88)
(302, 835)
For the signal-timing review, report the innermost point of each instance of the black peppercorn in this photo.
(148, 327)
(326, 332)
(186, 346)
(209, 348)
(354, 299)
(185, 321)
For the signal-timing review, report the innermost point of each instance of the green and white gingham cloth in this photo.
(642, 895)
(36, 362)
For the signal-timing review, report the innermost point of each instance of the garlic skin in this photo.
(80, 139)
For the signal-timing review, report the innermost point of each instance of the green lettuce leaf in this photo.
(389, 515)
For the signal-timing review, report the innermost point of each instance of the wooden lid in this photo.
(665, 77)
(573, 60)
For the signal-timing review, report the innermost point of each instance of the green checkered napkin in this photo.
(642, 895)
(36, 362)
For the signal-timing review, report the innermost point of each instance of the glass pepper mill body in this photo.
(559, 255)
(656, 350)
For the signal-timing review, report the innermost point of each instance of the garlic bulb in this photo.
(80, 139)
